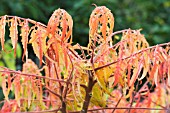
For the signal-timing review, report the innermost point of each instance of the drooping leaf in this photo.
(156, 80)
(17, 89)
(24, 34)
(98, 98)
(38, 40)
(146, 66)
(168, 81)
(101, 25)
(6, 85)
(60, 25)
(136, 72)
(14, 33)
(154, 74)
(133, 41)
(2, 30)
(29, 94)
(101, 79)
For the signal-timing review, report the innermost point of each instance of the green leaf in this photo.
(98, 97)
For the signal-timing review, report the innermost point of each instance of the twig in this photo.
(84, 57)
(52, 92)
(140, 108)
(45, 111)
(158, 104)
(88, 91)
(69, 78)
(131, 102)
(74, 53)
(117, 103)
(29, 20)
(67, 86)
(33, 75)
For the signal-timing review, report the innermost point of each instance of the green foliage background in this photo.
(153, 16)
(150, 15)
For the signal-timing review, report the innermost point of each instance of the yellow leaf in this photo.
(98, 98)
(102, 78)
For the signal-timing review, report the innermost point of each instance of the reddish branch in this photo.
(52, 92)
(91, 79)
(69, 78)
(88, 91)
(45, 111)
(67, 87)
(118, 108)
(117, 103)
(136, 53)
(29, 20)
(33, 75)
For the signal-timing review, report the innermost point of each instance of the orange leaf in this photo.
(65, 57)
(168, 82)
(136, 72)
(60, 25)
(64, 26)
(40, 46)
(14, 33)
(156, 76)
(104, 27)
(146, 66)
(24, 40)
(5, 88)
(38, 40)
(17, 90)
(101, 24)
(2, 30)
(154, 73)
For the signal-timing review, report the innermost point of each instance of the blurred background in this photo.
(153, 16)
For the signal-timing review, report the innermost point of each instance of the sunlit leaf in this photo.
(60, 25)
(145, 67)
(14, 33)
(101, 25)
(24, 40)
(6, 85)
(98, 98)
(2, 30)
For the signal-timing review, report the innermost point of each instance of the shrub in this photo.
(128, 76)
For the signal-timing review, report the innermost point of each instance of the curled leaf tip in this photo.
(101, 24)
(94, 5)
(60, 25)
